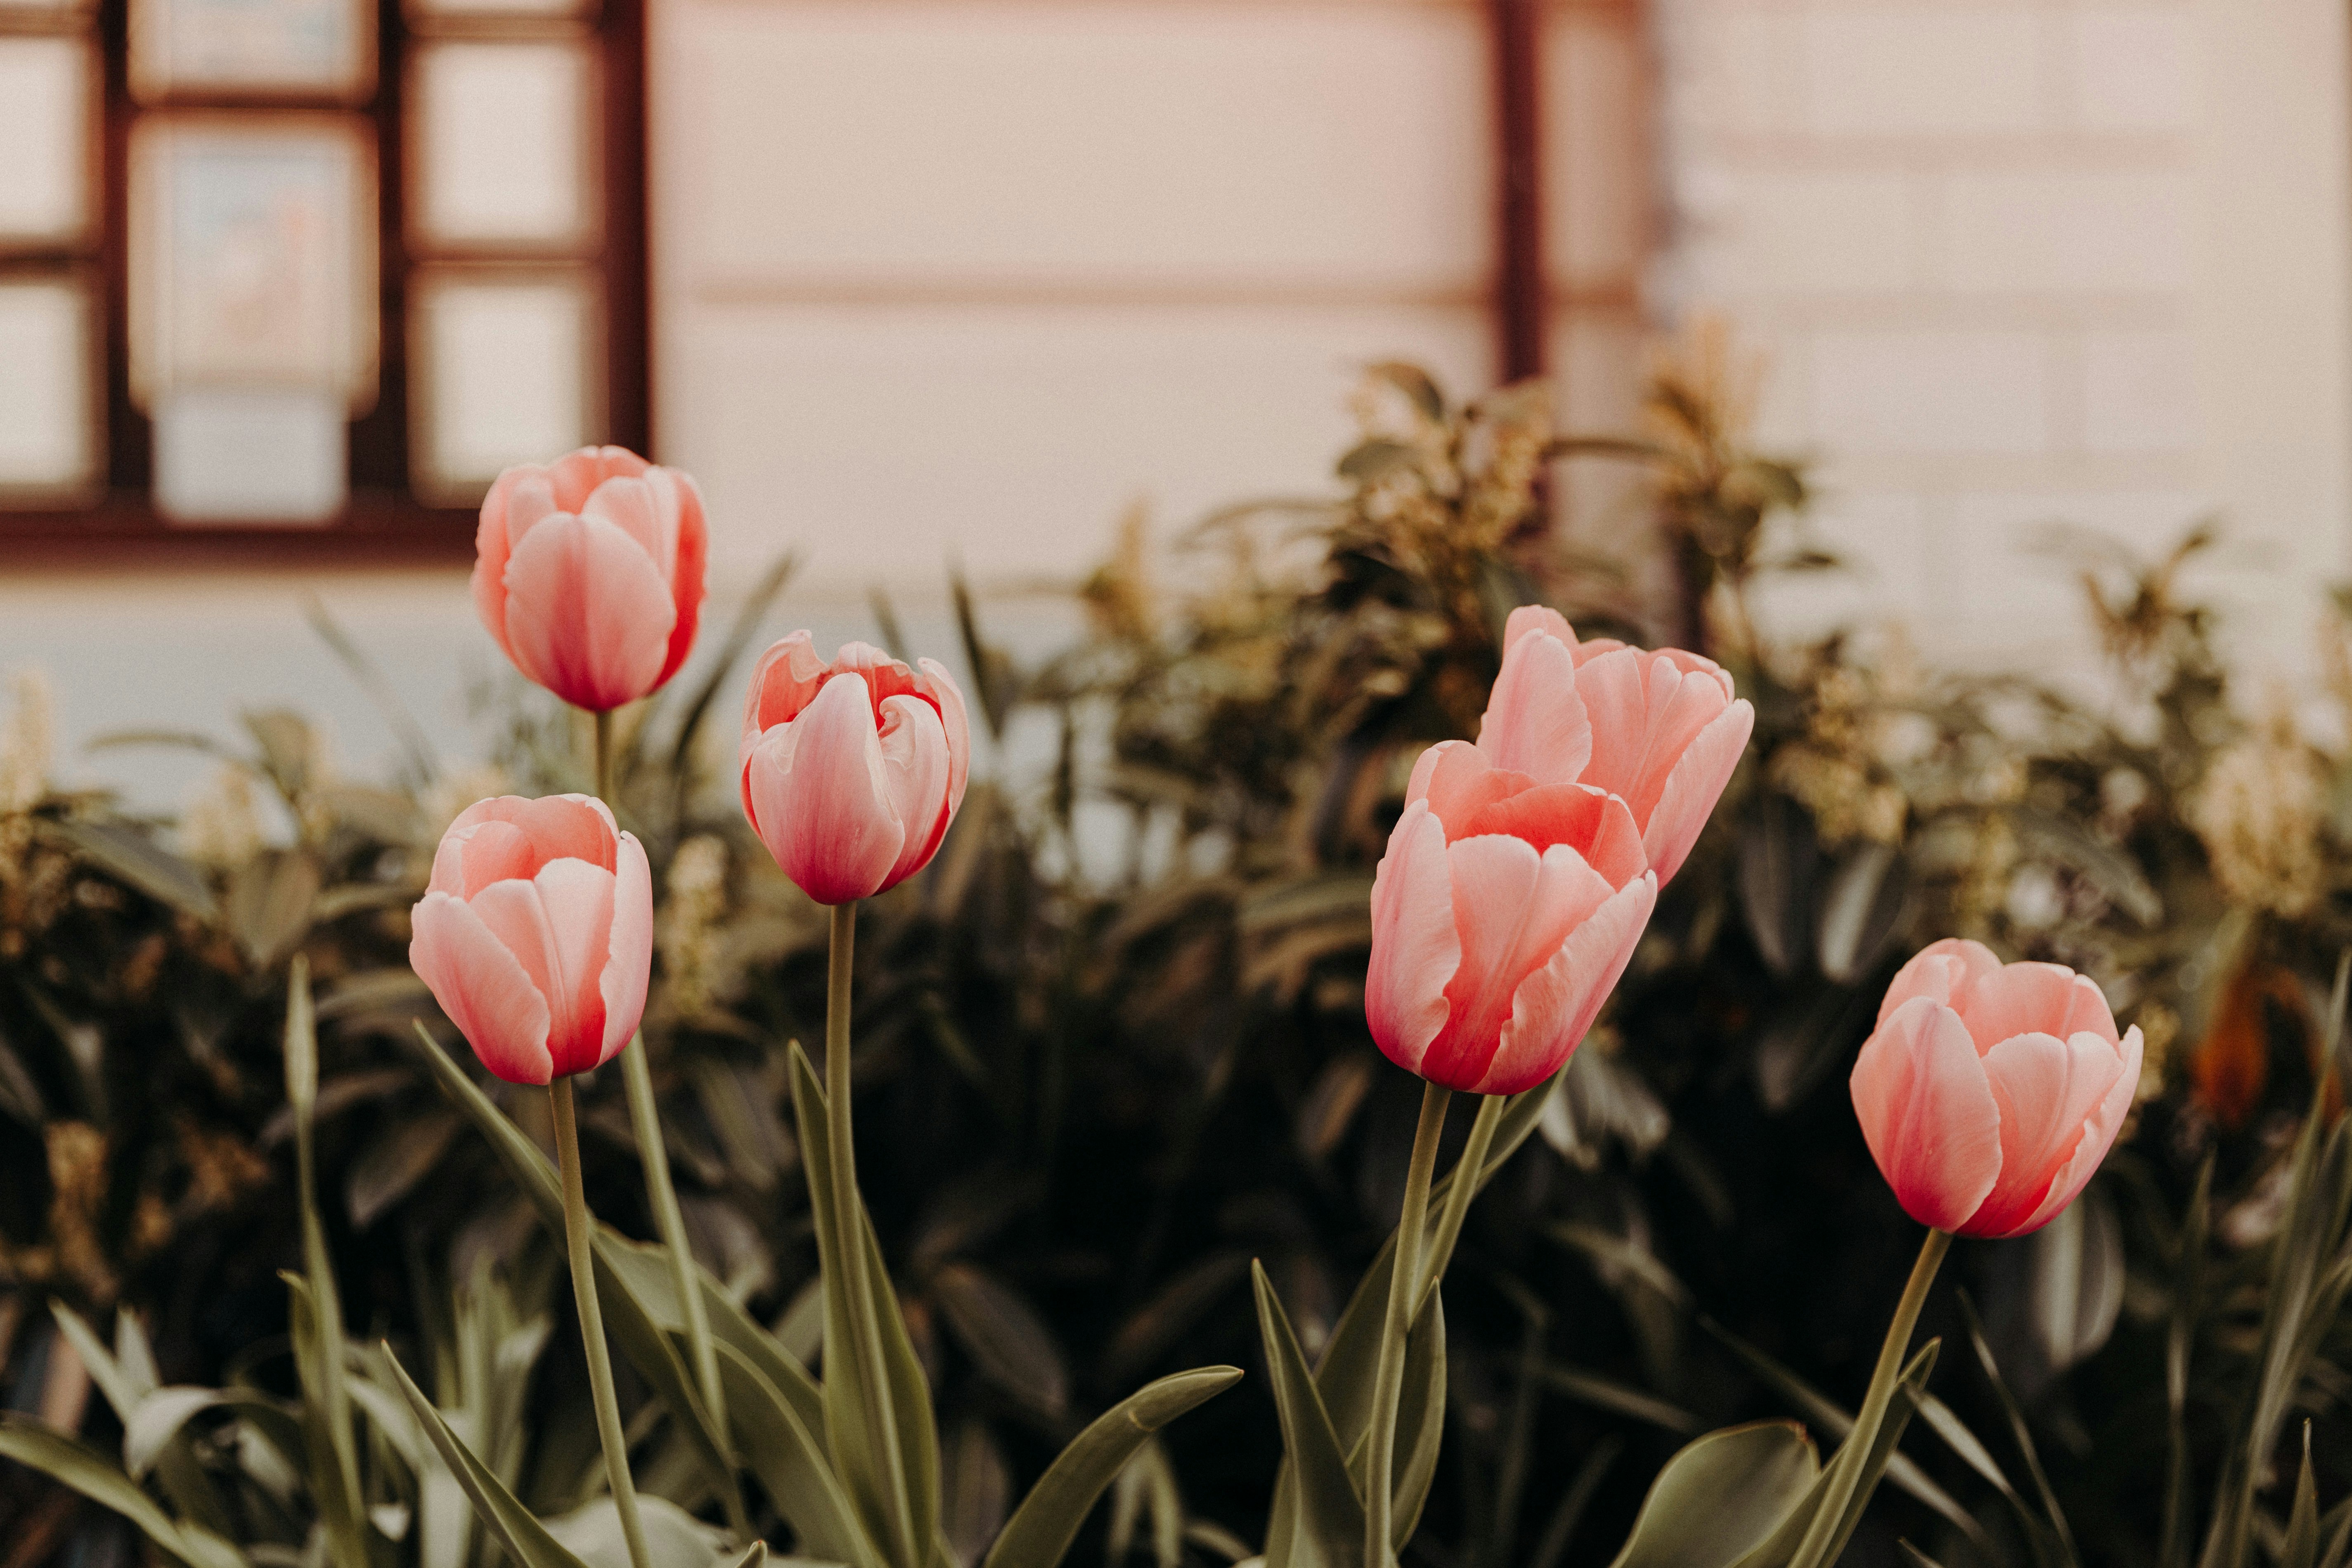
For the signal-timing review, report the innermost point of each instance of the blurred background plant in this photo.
(1112, 1044)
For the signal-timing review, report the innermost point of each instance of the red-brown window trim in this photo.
(382, 523)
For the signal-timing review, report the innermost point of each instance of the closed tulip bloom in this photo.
(536, 933)
(1503, 913)
(588, 572)
(1990, 1092)
(1662, 730)
(852, 771)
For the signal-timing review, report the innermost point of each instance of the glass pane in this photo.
(250, 455)
(45, 178)
(430, 11)
(315, 48)
(502, 370)
(49, 440)
(502, 146)
(253, 255)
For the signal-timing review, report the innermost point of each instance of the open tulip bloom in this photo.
(852, 771)
(588, 571)
(1990, 1092)
(536, 933)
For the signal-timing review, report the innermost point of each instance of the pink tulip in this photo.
(536, 933)
(1662, 731)
(589, 574)
(1504, 912)
(1990, 1092)
(852, 771)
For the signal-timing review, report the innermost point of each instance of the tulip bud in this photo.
(852, 771)
(1990, 1092)
(536, 933)
(1503, 914)
(589, 574)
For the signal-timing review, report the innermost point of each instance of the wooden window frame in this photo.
(381, 523)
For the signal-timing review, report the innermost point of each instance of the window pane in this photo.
(250, 455)
(253, 255)
(322, 48)
(46, 177)
(502, 146)
(501, 371)
(430, 11)
(49, 440)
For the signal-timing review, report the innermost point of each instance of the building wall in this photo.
(2023, 262)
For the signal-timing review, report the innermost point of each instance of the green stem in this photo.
(1852, 1456)
(1405, 1294)
(577, 1229)
(644, 1121)
(849, 1224)
(1466, 1172)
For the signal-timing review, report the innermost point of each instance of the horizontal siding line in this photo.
(735, 292)
(1956, 310)
(2052, 151)
(1620, 8)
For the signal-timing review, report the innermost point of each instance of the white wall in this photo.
(2023, 260)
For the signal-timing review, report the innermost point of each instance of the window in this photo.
(300, 275)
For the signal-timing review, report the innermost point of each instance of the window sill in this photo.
(127, 535)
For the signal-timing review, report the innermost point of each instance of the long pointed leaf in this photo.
(784, 1452)
(890, 1511)
(1041, 1530)
(628, 1316)
(70, 1464)
(1721, 1496)
(517, 1529)
(1329, 1530)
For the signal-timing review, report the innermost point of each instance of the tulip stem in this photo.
(1404, 1295)
(653, 1152)
(1467, 1173)
(1850, 1457)
(578, 1241)
(862, 1358)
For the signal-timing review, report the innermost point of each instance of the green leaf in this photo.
(2053, 1516)
(1834, 1419)
(1328, 1527)
(629, 1316)
(526, 1539)
(1415, 383)
(1420, 1423)
(784, 1453)
(1042, 1528)
(334, 1489)
(132, 858)
(1868, 1467)
(850, 1323)
(70, 1464)
(1006, 1340)
(673, 1538)
(2301, 1549)
(1722, 1496)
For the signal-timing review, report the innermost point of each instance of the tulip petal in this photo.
(820, 800)
(1942, 971)
(684, 499)
(916, 766)
(2016, 999)
(628, 949)
(588, 613)
(2050, 1091)
(1692, 787)
(559, 926)
(1535, 721)
(786, 679)
(1593, 823)
(483, 987)
(948, 697)
(632, 506)
(1415, 948)
(1927, 1112)
(1513, 908)
(1554, 1007)
(1462, 782)
(2098, 1136)
(1530, 620)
